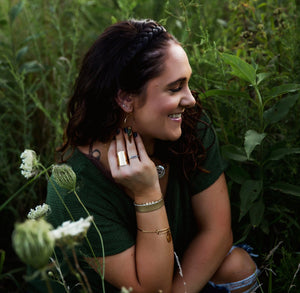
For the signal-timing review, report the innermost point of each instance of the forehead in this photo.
(175, 66)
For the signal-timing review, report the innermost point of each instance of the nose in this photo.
(188, 99)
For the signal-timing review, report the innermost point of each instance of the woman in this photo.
(148, 169)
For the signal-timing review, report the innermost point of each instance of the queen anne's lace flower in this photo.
(33, 242)
(39, 212)
(64, 176)
(70, 233)
(125, 290)
(29, 166)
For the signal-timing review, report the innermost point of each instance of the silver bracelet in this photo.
(149, 206)
(150, 203)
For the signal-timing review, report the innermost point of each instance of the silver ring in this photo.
(134, 157)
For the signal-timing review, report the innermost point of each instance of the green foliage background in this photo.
(42, 43)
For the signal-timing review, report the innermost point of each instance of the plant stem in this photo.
(45, 277)
(22, 188)
(100, 236)
(81, 271)
(260, 109)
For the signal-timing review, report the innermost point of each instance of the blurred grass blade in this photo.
(240, 68)
(15, 11)
(280, 109)
(225, 93)
(21, 53)
(2, 258)
(30, 67)
(286, 188)
(252, 139)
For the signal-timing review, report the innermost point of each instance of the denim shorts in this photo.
(228, 287)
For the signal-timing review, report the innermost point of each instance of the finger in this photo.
(112, 158)
(132, 151)
(140, 147)
(120, 142)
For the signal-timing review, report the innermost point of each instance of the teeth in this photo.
(178, 115)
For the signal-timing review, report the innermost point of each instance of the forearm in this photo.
(154, 252)
(201, 260)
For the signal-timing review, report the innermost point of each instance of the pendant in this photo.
(169, 236)
(160, 171)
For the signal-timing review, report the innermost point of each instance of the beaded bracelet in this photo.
(149, 206)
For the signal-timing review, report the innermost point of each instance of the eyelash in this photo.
(176, 89)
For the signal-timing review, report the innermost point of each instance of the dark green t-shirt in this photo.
(114, 212)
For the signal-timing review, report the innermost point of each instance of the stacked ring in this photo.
(122, 158)
(134, 157)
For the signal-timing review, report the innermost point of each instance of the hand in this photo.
(139, 178)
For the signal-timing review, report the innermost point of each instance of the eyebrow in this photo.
(177, 81)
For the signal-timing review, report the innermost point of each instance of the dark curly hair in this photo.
(125, 57)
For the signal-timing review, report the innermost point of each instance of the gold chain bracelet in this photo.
(166, 231)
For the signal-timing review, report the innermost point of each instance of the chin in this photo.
(175, 136)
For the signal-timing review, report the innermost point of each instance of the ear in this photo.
(125, 101)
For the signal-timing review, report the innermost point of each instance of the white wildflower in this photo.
(70, 233)
(125, 290)
(29, 166)
(39, 212)
(33, 242)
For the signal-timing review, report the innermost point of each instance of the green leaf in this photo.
(15, 11)
(240, 68)
(250, 191)
(283, 89)
(256, 213)
(282, 152)
(286, 188)
(280, 109)
(234, 153)
(237, 174)
(252, 139)
(262, 76)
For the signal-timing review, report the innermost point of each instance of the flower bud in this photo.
(64, 176)
(33, 243)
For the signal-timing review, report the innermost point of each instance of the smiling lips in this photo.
(175, 116)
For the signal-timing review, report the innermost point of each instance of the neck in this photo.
(149, 145)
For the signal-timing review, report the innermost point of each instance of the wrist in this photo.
(149, 206)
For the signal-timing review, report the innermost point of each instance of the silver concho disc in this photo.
(160, 171)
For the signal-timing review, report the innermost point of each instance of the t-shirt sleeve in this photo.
(213, 165)
(110, 207)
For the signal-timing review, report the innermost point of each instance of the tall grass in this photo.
(41, 45)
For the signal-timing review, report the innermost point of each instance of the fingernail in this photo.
(134, 134)
(126, 130)
(118, 130)
(129, 131)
